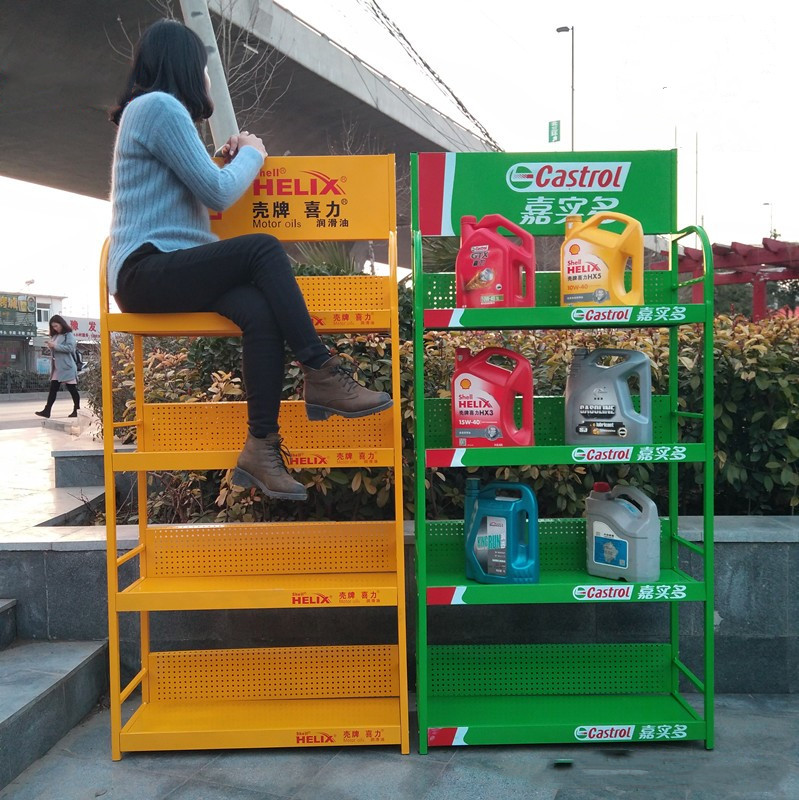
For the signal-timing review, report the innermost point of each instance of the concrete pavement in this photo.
(756, 758)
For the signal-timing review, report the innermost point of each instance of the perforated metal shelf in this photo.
(438, 292)
(357, 303)
(513, 694)
(266, 565)
(563, 577)
(269, 697)
(203, 436)
(269, 548)
(264, 591)
(567, 719)
(218, 724)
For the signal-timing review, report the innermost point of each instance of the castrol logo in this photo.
(603, 592)
(568, 176)
(602, 454)
(606, 314)
(604, 733)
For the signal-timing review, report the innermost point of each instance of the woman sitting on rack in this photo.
(164, 258)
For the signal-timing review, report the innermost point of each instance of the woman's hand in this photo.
(228, 149)
(231, 147)
(252, 140)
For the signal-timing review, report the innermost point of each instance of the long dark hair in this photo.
(169, 58)
(65, 327)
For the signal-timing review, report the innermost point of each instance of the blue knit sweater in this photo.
(163, 181)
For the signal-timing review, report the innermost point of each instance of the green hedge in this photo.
(757, 421)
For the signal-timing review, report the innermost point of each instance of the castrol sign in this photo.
(568, 176)
(537, 191)
(603, 314)
(604, 733)
(594, 593)
(601, 454)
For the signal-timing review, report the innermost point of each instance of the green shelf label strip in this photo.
(670, 587)
(548, 317)
(582, 454)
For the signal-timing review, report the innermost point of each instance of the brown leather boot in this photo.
(262, 464)
(331, 389)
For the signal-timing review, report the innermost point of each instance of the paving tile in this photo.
(277, 772)
(200, 790)
(642, 790)
(481, 776)
(373, 774)
(64, 778)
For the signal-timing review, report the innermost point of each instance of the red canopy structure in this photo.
(775, 260)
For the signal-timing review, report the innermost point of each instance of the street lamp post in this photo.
(770, 219)
(567, 29)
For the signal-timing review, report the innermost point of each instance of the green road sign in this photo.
(554, 130)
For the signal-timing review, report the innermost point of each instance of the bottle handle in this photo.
(631, 227)
(498, 221)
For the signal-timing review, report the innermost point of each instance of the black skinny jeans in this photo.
(247, 279)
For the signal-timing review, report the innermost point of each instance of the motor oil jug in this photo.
(501, 533)
(593, 260)
(491, 270)
(484, 397)
(599, 404)
(622, 534)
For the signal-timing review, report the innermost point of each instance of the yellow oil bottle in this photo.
(593, 261)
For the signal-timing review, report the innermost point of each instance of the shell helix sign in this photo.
(305, 198)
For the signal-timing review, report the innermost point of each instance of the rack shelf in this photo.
(263, 723)
(269, 697)
(563, 575)
(346, 303)
(516, 694)
(562, 718)
(282, 696)
(519, 694)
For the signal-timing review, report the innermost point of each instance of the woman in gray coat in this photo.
(63, 367)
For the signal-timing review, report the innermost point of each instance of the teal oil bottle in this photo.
(501, 533)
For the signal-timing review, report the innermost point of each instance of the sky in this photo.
(716, 80)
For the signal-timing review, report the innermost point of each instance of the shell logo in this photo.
(574, 249)
(465, 383)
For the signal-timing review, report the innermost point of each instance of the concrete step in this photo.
(61, 421)
(46, 688)
(8, 622)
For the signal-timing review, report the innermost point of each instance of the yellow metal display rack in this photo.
(277, 696)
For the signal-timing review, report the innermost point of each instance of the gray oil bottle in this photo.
(599, 404)
(622, 534)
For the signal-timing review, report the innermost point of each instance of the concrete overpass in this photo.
(59, 74)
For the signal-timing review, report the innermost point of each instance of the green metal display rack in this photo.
(591, 692)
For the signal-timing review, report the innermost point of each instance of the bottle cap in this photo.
(601, 486)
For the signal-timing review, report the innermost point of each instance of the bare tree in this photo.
(250, 64)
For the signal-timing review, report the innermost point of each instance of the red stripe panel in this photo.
(441, 737)
(440, 595)
(431, 192)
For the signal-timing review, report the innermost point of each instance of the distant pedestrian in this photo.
(63, 367)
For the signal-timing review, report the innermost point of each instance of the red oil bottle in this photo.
(491, 270)
(484, 396)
